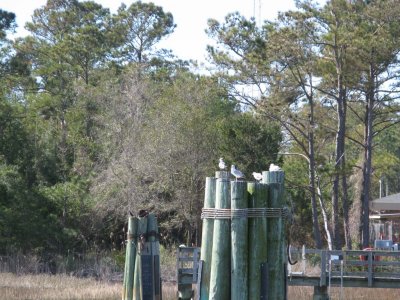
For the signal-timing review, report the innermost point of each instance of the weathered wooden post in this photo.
(138, 290)
(276, 236)
(152, 236)
(239, 242)
(321, 291)
(220, 261)
(130, 257)
(207, 238)
(258, 197)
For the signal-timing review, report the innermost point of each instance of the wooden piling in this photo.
(239, 242)
(220, 261)
(141, 249)
(257, 198)
(320, 293)
(206, 239)
(130, 257)
(152, 234)
(275, 236)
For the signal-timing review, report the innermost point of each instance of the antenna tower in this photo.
(257, 16)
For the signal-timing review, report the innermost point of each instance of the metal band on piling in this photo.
(227, 213)
(130, 237)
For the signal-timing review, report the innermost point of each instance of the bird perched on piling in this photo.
(257, 176)
(273, 167)
(237, 173)
(221, 164)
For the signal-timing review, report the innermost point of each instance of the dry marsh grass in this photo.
(46, 287)
(63, 287)
(300, 293)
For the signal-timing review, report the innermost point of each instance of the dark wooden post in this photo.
(152, 234)
(141, 249)
(320, 293)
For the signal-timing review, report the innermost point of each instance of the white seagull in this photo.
(221, 164)
(235, 172)
(273, 167)
(257, 176)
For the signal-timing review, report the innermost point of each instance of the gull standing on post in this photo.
(221, 164)
(235, 172)
(257, 176)
(273, 167)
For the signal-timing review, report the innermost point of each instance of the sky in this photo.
(189, 39)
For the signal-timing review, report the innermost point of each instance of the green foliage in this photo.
(137, 28)
(296, 177)
(386, 161)
(7, 22)
(248, 142)
(28, 220)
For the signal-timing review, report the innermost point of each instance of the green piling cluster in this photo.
(243, 245)
(142, 279)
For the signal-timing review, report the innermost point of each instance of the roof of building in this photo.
(391, 202)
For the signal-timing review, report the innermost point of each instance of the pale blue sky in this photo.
(189, 39)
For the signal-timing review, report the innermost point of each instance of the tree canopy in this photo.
(97, 122)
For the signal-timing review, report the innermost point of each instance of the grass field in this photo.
(305, 293)
(63, 287)
(48, 287)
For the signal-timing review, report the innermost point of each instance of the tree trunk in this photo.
(340, 141)
(339, 159)
(346, 221)
(366, 169)
(335, 211)
(345, 203)
(324, 216)
(63, 153)
(311, 177)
